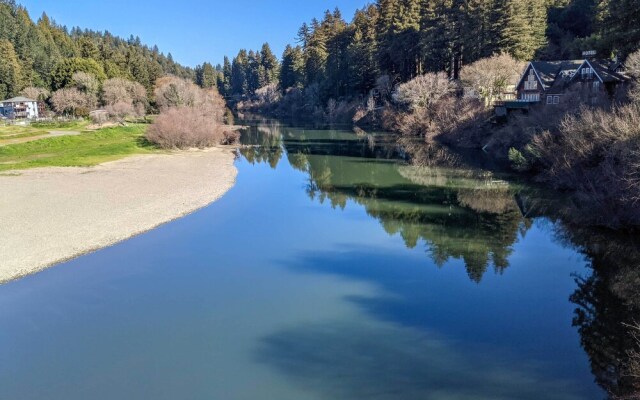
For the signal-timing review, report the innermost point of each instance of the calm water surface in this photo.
(332, 270)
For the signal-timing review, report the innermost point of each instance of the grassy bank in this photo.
(38, 129)
(86, 149)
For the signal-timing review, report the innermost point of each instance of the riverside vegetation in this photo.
(399, 64)
(403, 65)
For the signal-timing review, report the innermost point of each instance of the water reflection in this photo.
(345, 360)
(451, 213)
(607, 305)
(463, 213)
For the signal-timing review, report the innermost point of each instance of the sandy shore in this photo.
(48, 215)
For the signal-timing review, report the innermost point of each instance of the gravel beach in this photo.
(48, 215)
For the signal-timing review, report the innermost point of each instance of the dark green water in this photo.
(332, 270)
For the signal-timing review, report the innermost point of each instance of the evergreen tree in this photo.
(270, 64)
(292, 70)
(619, 22)
(206, 76)
(523, 33)
(62, 75)
(362, 60)
(11, 80)
(239, 69)
(225, 87)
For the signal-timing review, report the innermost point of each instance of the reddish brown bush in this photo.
(72, 101)
(595, 153)
(190, 117)
(188, 127)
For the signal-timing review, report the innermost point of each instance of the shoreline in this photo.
(54, 214)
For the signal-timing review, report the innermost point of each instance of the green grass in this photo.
(37, 129)
(90, 148)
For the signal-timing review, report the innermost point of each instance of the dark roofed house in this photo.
(549, 81)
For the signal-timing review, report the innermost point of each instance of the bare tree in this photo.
(36, 93)
(268, 94)
(72, 101)
(172, 91)
(123, 98)
(491, 77)
(86, 83)
(423, 91)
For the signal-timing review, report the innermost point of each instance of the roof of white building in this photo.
(18, 100)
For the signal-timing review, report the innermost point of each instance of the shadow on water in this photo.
(454, 211)
(353, 361)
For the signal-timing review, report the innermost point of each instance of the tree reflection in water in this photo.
(608, 306)
(457, 214)
(462, 212)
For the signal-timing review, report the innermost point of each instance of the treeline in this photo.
(248, 72)
(44, 54)
(402, 39)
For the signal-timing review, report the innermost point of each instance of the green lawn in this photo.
(89, 148)
(37, 129)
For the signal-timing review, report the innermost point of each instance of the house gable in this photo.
(525, 75)
(586, 64)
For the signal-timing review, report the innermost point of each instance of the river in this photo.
(333, 270)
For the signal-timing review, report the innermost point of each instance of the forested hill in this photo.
(404, 38)
(45, 54)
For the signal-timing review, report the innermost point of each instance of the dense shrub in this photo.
(188, 127)
(71, 101)
(423, 91)
(190, 116)
(595, 153)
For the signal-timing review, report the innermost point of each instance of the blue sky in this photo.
(194, 31)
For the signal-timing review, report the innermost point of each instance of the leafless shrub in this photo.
(491, 77)
(268, 94)
(633, 369)
(71, 101)
(632, 65)
(35, 93)
(422, 91)
(124, 98)
(172, 91)
(188, 127)
(596, 153)
(190, 116)
(121, 110)
(99, 117)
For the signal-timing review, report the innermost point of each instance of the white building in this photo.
(19, 108)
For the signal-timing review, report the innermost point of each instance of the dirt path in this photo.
(51, 134)
(48, 215)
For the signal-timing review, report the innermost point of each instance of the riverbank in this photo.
(48, 215)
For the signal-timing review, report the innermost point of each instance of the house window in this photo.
(556, 99)
(596, 86)
(587, 73)
(549, 99)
